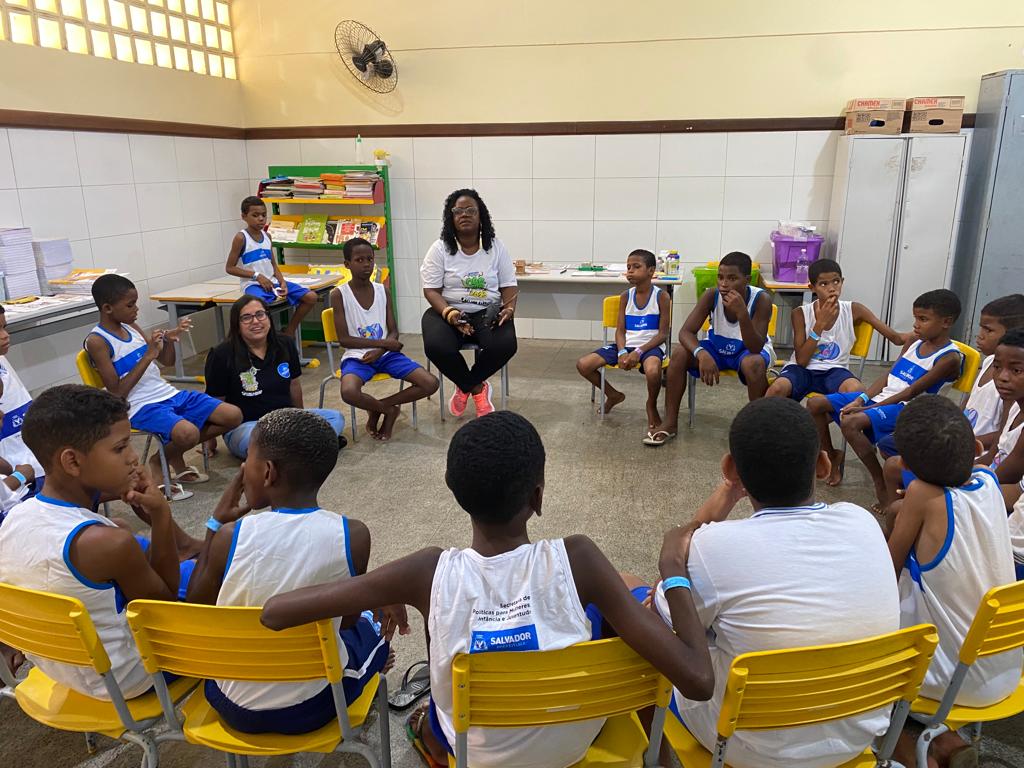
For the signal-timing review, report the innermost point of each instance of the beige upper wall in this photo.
(593, 60)
(44, 80)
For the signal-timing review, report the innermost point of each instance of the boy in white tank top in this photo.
(23, 474)
(928, 361)
(508, 593)
(365, 324)
(985, 408)
(126, 363)
(645, 314)
(738, 340)
(950, 544)
(248, 559)
(1006, 456)
(56, 542)
(251, 259)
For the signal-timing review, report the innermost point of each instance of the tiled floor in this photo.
(600, 480)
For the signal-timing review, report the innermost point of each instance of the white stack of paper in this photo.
(18, 263)
(53, 259)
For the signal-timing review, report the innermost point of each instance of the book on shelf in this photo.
(347, 229)
(283, 231)
(312, 228)
(329, 230)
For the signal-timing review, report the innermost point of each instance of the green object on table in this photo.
(707, 277)
(591, 268)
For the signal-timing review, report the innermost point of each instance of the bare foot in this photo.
(653, 417)
(12, 657)
(611, 400)
(838, 459)
(373, 422)
(390, 417)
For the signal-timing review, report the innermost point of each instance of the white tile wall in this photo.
(164, 208)
(157, 207)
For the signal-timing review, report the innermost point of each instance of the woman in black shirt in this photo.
(257, 370)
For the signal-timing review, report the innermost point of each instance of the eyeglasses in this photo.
(254, 317)
(465, 211)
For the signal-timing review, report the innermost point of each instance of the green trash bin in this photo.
(707, 277)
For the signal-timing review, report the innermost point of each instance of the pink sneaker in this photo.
(483, 401)
(457, 403)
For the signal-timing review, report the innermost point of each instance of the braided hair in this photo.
(448, 227)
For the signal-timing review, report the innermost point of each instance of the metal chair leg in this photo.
(166, 471)
(352, 424)
(600, 408)
(504, 387)
(440, 389)
(691, 397)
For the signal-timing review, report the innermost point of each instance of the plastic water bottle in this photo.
(802, 267)
(672, 264)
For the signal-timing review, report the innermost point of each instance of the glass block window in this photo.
(190, 35)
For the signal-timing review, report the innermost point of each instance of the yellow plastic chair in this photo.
(791, 688)
(610, 321)
(58, 628)
(217, 642)
(603, 678)
(691, 392)
(330, 339)
(91, 378)
(998, 627)
(972, 362)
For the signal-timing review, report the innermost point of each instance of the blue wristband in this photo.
(813, 335)
(213, 525)
(864, 396)
(672, 582)
(21, 478)
(623, 351)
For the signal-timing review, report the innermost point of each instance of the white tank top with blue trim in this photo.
(1009, 436)
(14, 403)
(835, 343)
(35, 540)
(946, 592)
(256, 256)
(523, 600)
(642, 323)
(274, 552)
(725, 335)
(125, 355)
(984, 407)
(911, 366)
(369, 323)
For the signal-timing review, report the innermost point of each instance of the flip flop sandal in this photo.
(413, 734)
(413, 687)
(177, 492)
(652, 437)
(190, 475)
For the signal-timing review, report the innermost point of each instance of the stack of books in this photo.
(81, 280)
(53, 259)
(276, 186)
(334, 186)
(18, 263)
(359, 184)
(307, 189)
(283, 231)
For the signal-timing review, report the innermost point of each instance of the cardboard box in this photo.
(936, 114)
(878, 116)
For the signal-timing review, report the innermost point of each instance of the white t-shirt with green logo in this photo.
(468, 283)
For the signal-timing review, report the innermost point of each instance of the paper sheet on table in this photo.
(615, 267)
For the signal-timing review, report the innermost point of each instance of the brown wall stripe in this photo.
(59, 121)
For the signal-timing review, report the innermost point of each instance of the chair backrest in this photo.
(972, 362)
(998, 625)
(862, 332)
(772, 323)
(327, 321)
(803, 686)
(50, 626)
(610, 312)
(209, 641)
(533, 688)
(86, 371)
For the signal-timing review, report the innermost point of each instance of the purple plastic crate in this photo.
(786, 254)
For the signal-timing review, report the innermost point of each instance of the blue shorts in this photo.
(394, 364)
(294, 295)
(160, 418)
(882, 418)
(610, 354)
(727, 362)
(1020, 570)
(185, 569)
(805, 381)
(366, 652)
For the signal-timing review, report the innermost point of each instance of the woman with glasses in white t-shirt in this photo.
(470, 283)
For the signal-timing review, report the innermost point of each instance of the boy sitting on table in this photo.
(365, 325)
(496, 472)
(126, 362)
(927, 363)
(950, 544)
(738, 314)
(250, 258)
(640, 334)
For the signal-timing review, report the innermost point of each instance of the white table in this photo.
(49, 314)
(790, 295)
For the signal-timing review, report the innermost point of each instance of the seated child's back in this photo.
(950, 545)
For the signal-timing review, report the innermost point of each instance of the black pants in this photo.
(442, 341)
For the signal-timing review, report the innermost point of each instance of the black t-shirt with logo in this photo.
(259, 387)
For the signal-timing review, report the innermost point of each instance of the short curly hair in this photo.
(71, 415)
(494, 464)
(935, 440)
(301, 444)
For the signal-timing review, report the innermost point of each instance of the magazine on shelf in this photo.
(312, 228)
(283, 231)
